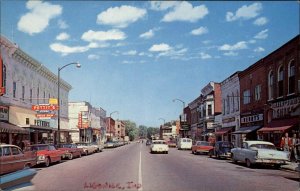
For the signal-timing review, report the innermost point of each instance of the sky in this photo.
(137, 56)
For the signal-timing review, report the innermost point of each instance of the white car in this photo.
(259, 152)
(98, 147)
(185, 143)
(87, 148)
(159, 146)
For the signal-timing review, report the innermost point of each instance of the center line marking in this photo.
(140, 171)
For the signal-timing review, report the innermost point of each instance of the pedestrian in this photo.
(295, 141)
(286, 143)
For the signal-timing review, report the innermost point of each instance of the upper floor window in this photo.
(246, 97)
(233, 102)
(280, 81)
(237, 100)
(4, 77)
(224, 102)
(228, 105)
(38, 95)
(23, 93)
(209, 110)
(30, 92)
(257, 92)
(14, 89)
(292, 77)
(270, 85)
(44, 97)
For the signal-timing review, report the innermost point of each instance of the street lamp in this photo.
(109, 122)
(183, 103)
(58, 96)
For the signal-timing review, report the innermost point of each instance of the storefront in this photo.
(250, 122)
(223, 134)
(12, 134)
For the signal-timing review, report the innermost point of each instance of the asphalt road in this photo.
(132, 167)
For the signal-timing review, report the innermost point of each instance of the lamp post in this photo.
(58, 96)
(183, 103)
(160, 132)
(109, 122)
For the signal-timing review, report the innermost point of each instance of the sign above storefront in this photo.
(252, 118)
(47, 107)
(284, 108)
(45, 115)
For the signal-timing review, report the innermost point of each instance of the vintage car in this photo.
(109, 144)
(259, 152)
(12, 158)
(159, 146)
(99, 147)
(47, 154)
(172, 144)
(88, 148)
(70, 150)
(222, 149)
(201, 147)
(148, 142)
(184, 143)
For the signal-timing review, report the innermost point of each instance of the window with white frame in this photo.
(246, 97)
(280, 81)
(14, 89)
(23, 93)
(30, 92)
(257, 92)
(270, 85)
(292, 77)
(237, 100)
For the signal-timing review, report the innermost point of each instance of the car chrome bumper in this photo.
(270, 161)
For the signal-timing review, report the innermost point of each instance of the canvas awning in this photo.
(223, 131)
(246, 130)
(10, 128)
(279, 126)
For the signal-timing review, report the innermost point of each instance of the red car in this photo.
(47, 154)
(70, 150)
(12, 158)
(202, 147)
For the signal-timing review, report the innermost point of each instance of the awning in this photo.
(10, 128)
(207, 132)
(40, 128)
(223, 131)
(279, 126)
(246, 130)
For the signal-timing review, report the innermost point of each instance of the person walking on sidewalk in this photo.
(286, 143)
(295, 141)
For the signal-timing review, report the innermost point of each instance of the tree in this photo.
(142, 131)
(151, 131)
(130, 129)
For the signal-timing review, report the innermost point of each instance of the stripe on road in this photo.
(140, 171)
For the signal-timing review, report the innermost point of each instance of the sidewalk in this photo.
(291, 166)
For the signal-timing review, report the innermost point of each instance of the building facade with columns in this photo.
(26, 82)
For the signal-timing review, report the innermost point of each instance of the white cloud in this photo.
(37, 19)
(128, 62)
(259, 49)
(262, 34)
(186, 12)
(93, 57)
(174, 54)
(130, 53)
(206, 41)
(121, 16)
(199, 31)
(252, 41)
(163, 5)
(204, 55)
(260, 21)
(160, 47)
(65, 50)
(98, 45)
(63, 36)
(147, 35)
(113, 34)
(238, 46)
(230, 53)
(62, 24)
(245, 12)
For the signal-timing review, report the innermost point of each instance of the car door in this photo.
(18, 158)
(6, 160)
(55, 153)
(244, 152)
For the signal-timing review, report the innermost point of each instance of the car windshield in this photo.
(263, 146)
(226, 145)
(39, 147)
(66, 146)
(81, 144)
(159, 142)
(203, 143)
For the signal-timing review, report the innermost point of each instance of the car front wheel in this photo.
(70, 156)
(248, 163)
(47, 162)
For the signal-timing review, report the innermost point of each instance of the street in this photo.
(132, 167)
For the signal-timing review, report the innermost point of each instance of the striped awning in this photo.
(10, 128)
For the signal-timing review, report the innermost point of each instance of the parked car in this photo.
(47, 154)
(159, 146)
(70, 150)
(222, 149)
(109, 145)
(172, 144)
(12, 158)
(201, 147)
(259, 152)
(98, 147)
(148, 142)
(88, 148)
(184, 143)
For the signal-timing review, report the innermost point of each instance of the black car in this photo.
(222, 149)
(148, 142)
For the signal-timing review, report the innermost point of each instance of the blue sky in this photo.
(137, 56)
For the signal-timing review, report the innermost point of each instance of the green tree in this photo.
(131, 129)
(151, 131)
(142, 131)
